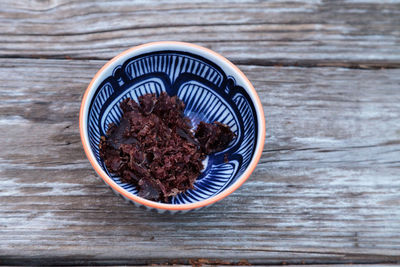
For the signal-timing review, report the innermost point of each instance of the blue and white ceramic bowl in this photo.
(212, 88)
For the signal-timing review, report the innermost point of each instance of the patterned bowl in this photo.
(212, 88)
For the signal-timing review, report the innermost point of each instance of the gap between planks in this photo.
(57, 261)
(251, 62)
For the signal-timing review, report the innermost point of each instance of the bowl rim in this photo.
(179, 46)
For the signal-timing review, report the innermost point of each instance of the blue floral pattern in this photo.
(209, 94)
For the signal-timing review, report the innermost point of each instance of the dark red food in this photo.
(154, 148)
(213, 137)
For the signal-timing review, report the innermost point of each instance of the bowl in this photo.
(212, 88)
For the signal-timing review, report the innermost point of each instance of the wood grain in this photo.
(359, 34)
(325, 191)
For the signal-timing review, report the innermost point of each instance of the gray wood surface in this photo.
(310, 32)
(326, 190)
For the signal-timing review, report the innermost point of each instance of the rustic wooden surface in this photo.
(326, 190)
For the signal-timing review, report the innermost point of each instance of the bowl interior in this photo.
(210, 95)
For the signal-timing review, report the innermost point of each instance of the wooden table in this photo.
(326, 190)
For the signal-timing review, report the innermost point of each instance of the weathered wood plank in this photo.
(358, 34)
(325, 191)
